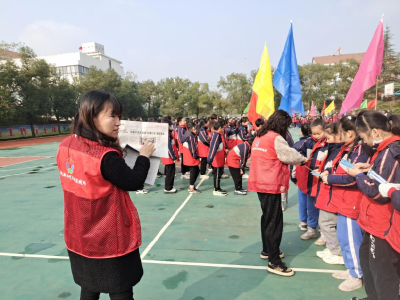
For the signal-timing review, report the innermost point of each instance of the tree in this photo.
(238, 89)
(128, 94)
(63, 96)
(391, 61)
(174, 100)
(96, 79)
(150, 96)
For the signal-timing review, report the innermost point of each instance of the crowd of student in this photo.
(347, 173)
(358, 215)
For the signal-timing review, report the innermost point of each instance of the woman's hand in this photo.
(325, 179)
(325, 173)
(147, 149)
(305, 160)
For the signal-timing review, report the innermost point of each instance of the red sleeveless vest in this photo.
(100, 220)
(267, 173)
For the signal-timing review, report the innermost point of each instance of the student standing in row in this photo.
(182, 128)
(169, 162)
(378, 256)
(204, 139)
(192, 159)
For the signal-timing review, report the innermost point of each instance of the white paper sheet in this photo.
(134, 134)
(130, 159)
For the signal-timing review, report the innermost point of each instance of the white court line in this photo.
(32, 167)
(144, 253)
(179, 263)
(28, 172)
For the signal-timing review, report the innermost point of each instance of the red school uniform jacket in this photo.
(189, 149)
(216, 155)
(172, 150)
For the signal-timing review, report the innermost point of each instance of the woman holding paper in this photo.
(378, 255)
(102, 227)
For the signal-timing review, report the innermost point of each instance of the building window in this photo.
(109, 64)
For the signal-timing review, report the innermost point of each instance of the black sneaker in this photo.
(264, 255)
(280, 269)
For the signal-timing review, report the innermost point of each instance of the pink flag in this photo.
(370, 67)
(312, 111)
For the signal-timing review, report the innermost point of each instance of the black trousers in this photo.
(237, 178)
(203, 166)
(194, 173)
(169, 176)
(184, 168)
(381, 268)
(88, 295)
(271, 225)
(217, 172)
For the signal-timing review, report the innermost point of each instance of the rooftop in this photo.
(334, 59)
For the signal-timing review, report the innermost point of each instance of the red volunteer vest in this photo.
(100, 220)
(267, 173)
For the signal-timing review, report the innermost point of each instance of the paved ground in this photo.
(195, 248)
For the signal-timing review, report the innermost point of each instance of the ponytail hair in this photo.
(332, 128)
(349, 123)
(371, 119)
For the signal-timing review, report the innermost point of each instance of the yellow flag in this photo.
(330, 107)
(263, 87)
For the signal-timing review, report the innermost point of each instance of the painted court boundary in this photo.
(169, 222)
(178, 263)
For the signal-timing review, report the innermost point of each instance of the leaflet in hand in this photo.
(314, 173)
(373, 175)
(131, 157)
(346, 165)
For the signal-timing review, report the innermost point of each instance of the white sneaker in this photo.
(311, 233)
(144, 191)
(241, 192)
(172, 191)
(245, 176)
(185, 176)
(323, 253)
(334, 260)
(303, 226)
(224, 176)
(351, 284)
(342, 275)
(321, 241)
(204, 176)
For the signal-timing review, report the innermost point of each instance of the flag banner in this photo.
(262, 99)
(323, 109)
(287, 78)
(371, 104)
(365, 78)
(246, 109)
(330, 107)
(312, 111)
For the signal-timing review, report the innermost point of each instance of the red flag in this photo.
(80, 48)
(253, 115)
(323, 109)
(371, 104)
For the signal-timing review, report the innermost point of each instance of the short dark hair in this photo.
(244, 119)
(190, 125)
(217, 125)
(260, 122)
(305, 129)
(318, 122)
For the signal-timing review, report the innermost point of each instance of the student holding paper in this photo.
(378, 256)
(102, 227)
(345, 199)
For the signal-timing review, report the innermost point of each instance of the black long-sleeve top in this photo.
(115, 170)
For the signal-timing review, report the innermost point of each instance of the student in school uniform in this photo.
(306, 181)
(232, 135)
(345, 199)
(216, 157)
(191, 156)
(236, 161)
(182, 128)
(305, 133)
(243, 132)
(204, 139)
(169, 162)
(327, 219)
(378, 256)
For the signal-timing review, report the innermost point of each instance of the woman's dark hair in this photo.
(250, 141)
(318, 122)
(305, 129)
(259, 122)
(348, 123)
(332, 128)
(371, 119)
(278, 122)
(90, 105)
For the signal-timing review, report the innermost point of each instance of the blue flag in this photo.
(287, 78)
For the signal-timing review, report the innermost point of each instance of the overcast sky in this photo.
(202, 40)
